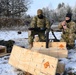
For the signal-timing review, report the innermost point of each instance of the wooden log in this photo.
(33, 62)
(4, 54)
(2, 49)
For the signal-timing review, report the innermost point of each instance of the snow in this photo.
(20, 39)
(57, 34)
(70, 62)
(8, 35)
(6, 69)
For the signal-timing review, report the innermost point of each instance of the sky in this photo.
(39, 4)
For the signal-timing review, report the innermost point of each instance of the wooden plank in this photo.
(32, 62)
(58, 44)
(39, 44)
(55, 52)
(56, 49)
(51, 44)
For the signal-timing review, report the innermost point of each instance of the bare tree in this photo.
(69, 9)
(61, 13)
(14, 7)
(74, 13)
(60, 5)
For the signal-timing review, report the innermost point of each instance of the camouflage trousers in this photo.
(31, 36)
(68, 38)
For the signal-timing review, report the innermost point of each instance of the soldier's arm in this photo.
(48, 25)
(60, 26)
(33, 22)
(72, 28)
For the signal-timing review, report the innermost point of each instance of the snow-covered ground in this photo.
(6, 69)
(11, 35)
(20, 39)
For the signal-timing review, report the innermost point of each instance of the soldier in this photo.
(68, 31)
(39, 21)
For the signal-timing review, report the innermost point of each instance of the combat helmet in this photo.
(39, 11)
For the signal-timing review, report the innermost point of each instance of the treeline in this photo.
(12, 12)
(9, 22)
(59, 13)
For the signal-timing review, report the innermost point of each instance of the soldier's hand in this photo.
(64, 27)
(63, 23)
(43, 29)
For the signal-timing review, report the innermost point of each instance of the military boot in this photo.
(57, 74)
(71, 46)
(27, 73)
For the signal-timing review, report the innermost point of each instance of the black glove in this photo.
(43, 29)
(37, 29)
(34, 29)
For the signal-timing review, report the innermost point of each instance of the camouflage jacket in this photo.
(36, 22)
(71, 27)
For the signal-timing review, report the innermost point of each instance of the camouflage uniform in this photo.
(68, 34)
(37, 22)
